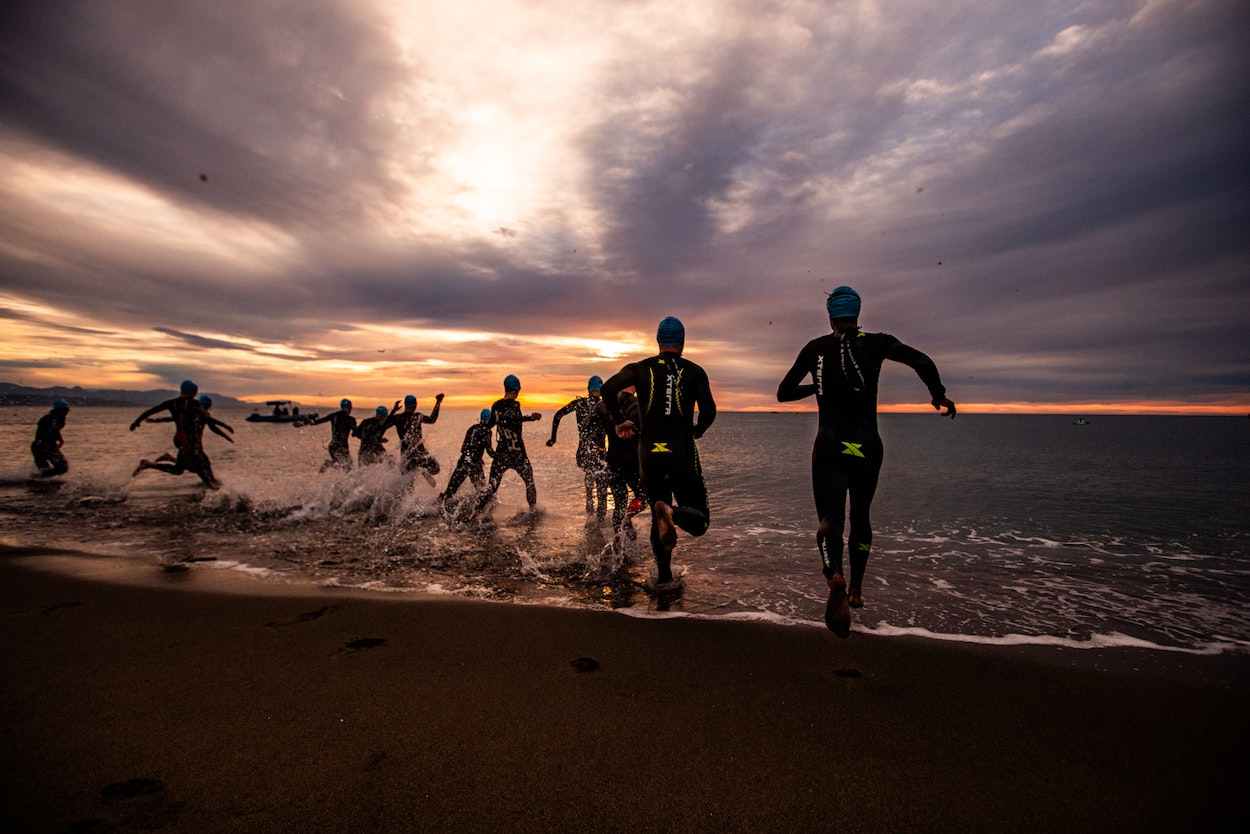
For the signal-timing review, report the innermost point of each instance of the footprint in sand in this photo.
(131, 788)
(584, 664)
(52, 609)
(47, 610)
(302, 618)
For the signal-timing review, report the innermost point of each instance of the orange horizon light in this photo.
(546, 401)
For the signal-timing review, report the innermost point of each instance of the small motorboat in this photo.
(284, 411)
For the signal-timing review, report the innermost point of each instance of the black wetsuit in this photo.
(670, 388)
(190, 419)
(215, 426)
(469, 464)
(372, 449)
(46, 447)
(506, 416)
(846, 457)
(342, 426)
(624, 474)
(411, 446)
(592, 429)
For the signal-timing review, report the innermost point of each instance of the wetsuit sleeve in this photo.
(433, 415)
(604, 416)
(214, 423)
(918, 362)
(555, 420)
(145, 415)
(619, 381)
(791, 387)
(707, 406)
(324, 419)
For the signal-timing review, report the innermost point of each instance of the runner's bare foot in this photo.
(837, 609)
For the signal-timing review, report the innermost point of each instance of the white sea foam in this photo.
(240, 567)
(643, 613)
(531, 566)
(1112, 640)
(372, 585)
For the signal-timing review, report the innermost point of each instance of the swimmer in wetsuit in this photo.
(670, 389)
(216, 427)
(845, 366)
(469, 465)
(342, 426)
(412, 449)
(624, 476)
(189, 419)
(370, 432)
(507, 419)
(46, 447)
(591, 432)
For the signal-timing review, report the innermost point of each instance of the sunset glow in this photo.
(382, 197)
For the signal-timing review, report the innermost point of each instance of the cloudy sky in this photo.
(316, 198)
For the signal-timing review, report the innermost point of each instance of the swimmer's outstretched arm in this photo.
(145, 415)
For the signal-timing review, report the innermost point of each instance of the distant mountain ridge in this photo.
(13, 394)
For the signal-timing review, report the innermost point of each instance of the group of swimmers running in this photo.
(609, 463)
(637, 433)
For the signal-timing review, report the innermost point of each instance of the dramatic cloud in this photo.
(309, 198)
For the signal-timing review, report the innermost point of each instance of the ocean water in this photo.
(1128, 531)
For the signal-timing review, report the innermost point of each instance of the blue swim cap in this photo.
(843, 303)
(206, 400)
(188, 387)
(410, 400)
(60, 404)
(511, 383)
(594, 383)
(345, 403)
(485, 415)
(670, 333)
(381, 411)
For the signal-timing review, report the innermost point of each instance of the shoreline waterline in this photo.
(221, 576)
(982, 534)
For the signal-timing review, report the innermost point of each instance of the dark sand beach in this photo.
(204, 700)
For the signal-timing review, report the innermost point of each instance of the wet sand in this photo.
(203, 700)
